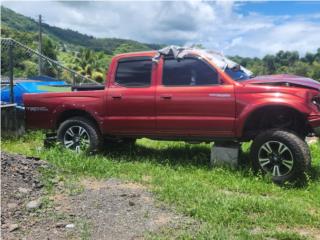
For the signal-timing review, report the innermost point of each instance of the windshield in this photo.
(233, 69)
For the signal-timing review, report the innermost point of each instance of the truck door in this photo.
(131, 98)
(192, 100)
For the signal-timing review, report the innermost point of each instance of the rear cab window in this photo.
(134, 73)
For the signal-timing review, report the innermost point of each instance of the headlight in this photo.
(316, 101)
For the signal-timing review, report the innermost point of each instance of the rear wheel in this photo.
(281, 154)
(79, 134)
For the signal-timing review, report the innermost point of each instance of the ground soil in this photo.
(96, 209)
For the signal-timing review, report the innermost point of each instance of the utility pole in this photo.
(40, 44)
(11, 71)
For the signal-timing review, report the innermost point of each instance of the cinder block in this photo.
(225, 155)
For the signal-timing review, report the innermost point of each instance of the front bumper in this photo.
(314, 122)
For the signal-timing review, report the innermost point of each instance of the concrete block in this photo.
(225, 155)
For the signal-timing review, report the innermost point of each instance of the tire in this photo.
(79, 134)
(281, 154)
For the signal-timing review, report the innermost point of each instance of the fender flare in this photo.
(78, 111)
(251, 109)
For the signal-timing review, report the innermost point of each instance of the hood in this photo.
(285, 80)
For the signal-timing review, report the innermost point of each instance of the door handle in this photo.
(166, 97)
(117, 97)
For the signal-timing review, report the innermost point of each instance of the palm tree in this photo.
(86, 62)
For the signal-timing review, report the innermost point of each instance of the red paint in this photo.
(173, 112)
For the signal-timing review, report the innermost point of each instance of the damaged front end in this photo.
(285, 80)
(314, 119)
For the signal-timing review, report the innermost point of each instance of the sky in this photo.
(251, 29)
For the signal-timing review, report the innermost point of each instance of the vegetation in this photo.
(284, 62)
(229, 204)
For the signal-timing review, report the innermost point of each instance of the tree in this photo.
(49, 49)
(301, 69)
(86, 62)
(309, 58)
(316, 70)
(269, 63)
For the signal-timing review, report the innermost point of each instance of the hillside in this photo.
(91, 56)
(86, 54)
(19, 22)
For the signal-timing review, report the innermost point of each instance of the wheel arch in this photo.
(261, 112)
(75, 113)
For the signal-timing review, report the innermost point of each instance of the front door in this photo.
(131, 98)
(192, 100)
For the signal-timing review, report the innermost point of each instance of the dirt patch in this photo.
(107, 209)
(312, 233)
(121, 210)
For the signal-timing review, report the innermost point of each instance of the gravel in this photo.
(21, 189)
(33, 204)
(13, 227)
(107, 209)
(119, 210)
(70, 225)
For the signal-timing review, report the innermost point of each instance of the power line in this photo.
(7, 42)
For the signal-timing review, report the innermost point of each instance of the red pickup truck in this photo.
(191, 95)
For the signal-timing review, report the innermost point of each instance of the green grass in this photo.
(230, 204)
(54, 88)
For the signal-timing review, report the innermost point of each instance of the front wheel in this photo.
(281, 154)
(79, 134)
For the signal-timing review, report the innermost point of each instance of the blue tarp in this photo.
(27, 87)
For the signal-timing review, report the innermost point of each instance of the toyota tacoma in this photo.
(192, 95)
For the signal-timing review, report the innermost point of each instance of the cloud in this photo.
(218, 25)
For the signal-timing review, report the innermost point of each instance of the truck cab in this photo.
(169, 98)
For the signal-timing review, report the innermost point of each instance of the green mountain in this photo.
(19, 22)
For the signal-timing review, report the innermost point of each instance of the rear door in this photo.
(192, 100)
(131, 98)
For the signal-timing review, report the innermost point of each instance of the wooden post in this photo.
(11, 71)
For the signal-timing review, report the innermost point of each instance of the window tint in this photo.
(135, 73)
(188, 72)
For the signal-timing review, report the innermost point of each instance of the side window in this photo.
(188, 72)
(134, 73)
